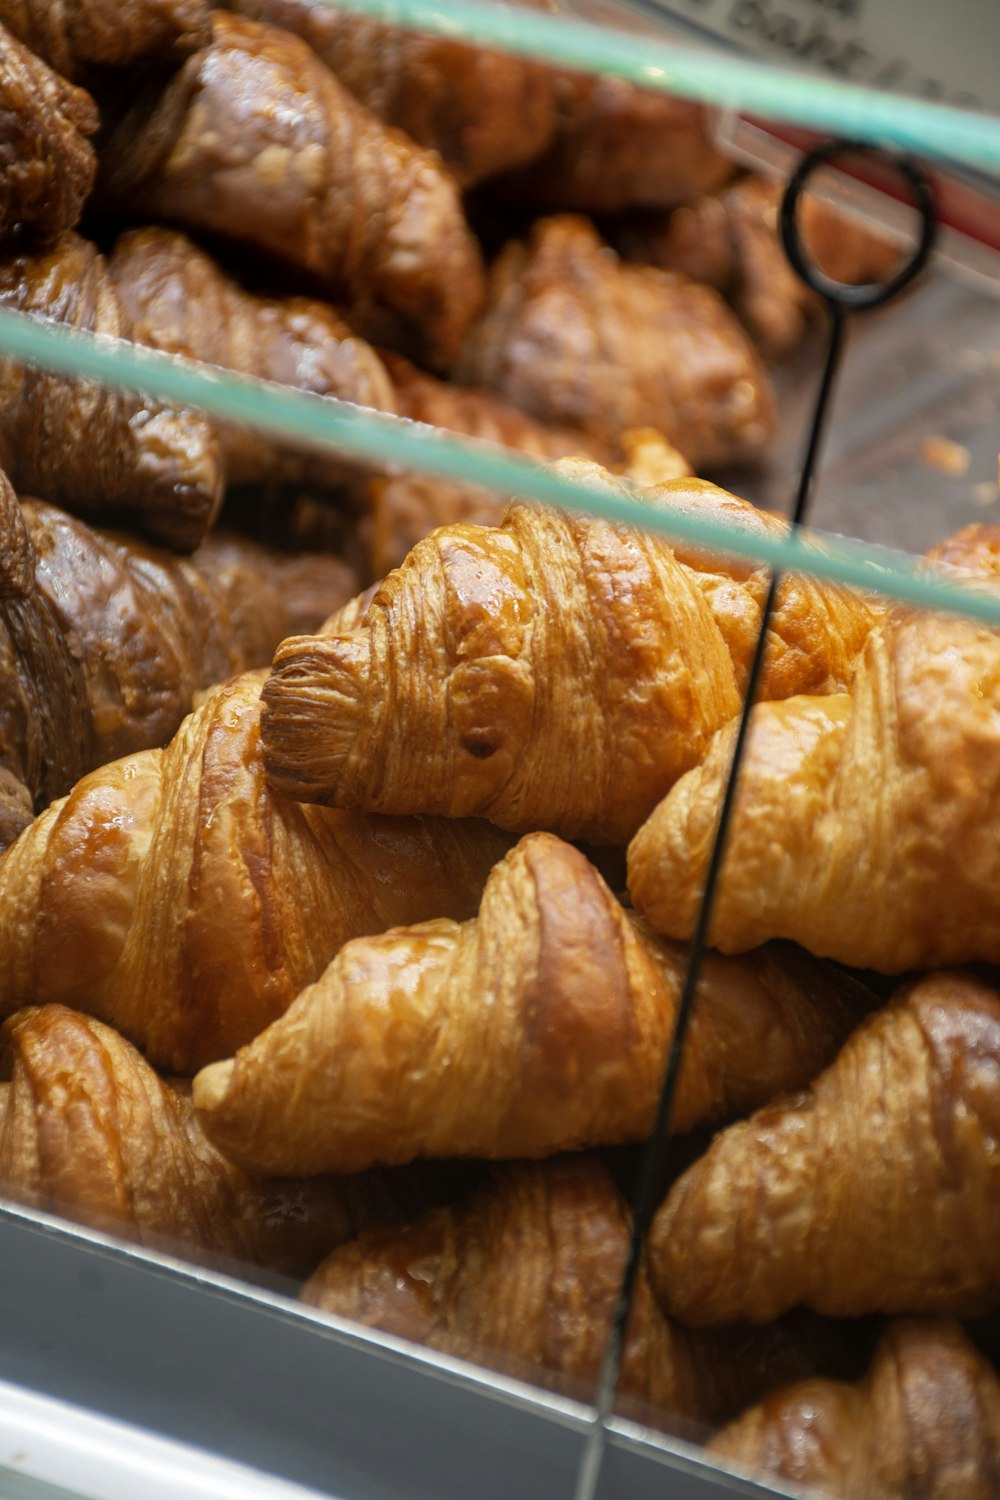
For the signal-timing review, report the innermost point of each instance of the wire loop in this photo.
(868, 294)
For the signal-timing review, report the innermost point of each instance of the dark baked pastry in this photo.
(574, 337)
(325, 187)
(47, 164)
(99, 451)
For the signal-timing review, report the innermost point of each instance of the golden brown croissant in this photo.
(618, 147)
(556, 672)
(925, 1421)
(99, 451)
(325, 187)
(88, 1130)
(77, 35)
(47, 164)
(866, 826)
(577, 338)
(524, 1276)
(482, 111)
(177, 299)
(540, 1026)
(729, 239)
(877, 1191)
(104, 640)
(173, 895)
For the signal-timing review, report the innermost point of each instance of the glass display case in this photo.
(356, 821)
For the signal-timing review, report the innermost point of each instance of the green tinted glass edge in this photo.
(300, 417)
(811, 100)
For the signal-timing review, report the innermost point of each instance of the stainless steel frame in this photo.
(247, 1374)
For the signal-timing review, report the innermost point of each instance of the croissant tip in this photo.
(211, 1086)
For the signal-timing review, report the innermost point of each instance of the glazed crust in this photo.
(524, 1277)
(888, 803)
(877, 1191)
(577, 338)
(327, 188)
(177, 299)
(94, 450)
(75, 36)
(481, 111)
(924, 1422)
(540, 1026)
(47, 164)
(618, 147)
(88, 1130)
(104, 640)
(208, 902)
(556, 672)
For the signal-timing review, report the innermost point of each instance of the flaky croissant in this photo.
(540, 1026)
(579, 339)
(173, 895)
(925, 1421)
(482, 111)
(76, 36)
(47, 165)
(866, 825)
(104, 640)
(96, 450)
(523, 1277)
(876, 1191)
(556, 672)
(729, 239)
(88, 1130)
(177, 299)
(325, 187)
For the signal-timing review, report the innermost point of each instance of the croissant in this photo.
(617, 147)
(539, 1026)
(76, 36)
(104, 640)
(325, 187)
(173, 895)
(556, 672)
(523, 1277)
(119, 1149)
(877, 1191)
(886, 803)
(924, 1421)
(729, 239)
(97, 450)
(48, 165)
(577, 338)
(177, 299)
(482, 111)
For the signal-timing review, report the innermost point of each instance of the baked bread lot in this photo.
(442, 951)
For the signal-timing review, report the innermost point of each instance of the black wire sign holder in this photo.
(840, 300)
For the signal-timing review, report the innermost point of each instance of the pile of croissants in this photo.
(352, 846)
